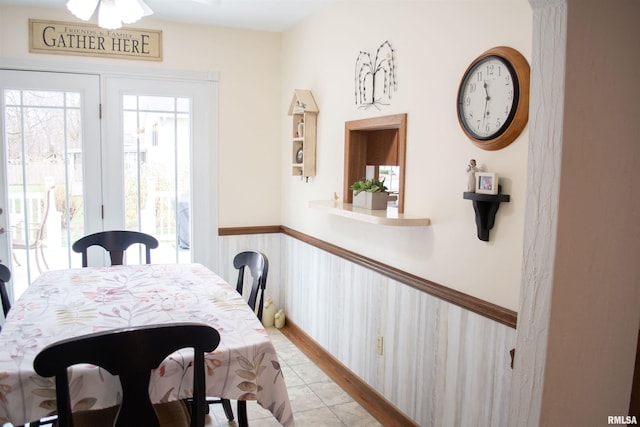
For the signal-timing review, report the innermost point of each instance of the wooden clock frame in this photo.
(522, 71)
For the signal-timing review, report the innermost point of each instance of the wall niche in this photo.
(374, 142)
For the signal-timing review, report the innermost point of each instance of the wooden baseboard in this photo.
(376, 404)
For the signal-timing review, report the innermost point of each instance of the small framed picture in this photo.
(486, 183)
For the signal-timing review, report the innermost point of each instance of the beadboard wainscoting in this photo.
(441, 364)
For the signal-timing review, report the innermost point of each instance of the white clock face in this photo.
(487, 98)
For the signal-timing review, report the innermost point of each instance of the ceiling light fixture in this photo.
(111, 13)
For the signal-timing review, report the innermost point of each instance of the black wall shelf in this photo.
(485, 206)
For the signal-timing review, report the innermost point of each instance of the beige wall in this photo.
(434, 43)
(249, 65)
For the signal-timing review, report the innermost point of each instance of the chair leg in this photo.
(226, 405)
(38, 260)
(44, 260)
(242, 413)
(40, 255)
(15, 258)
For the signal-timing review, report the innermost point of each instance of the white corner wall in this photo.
(580, 307)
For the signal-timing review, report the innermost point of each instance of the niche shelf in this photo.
(374, 142)
(485, 206)
(390, 216)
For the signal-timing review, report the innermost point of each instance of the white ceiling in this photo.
(267, 15)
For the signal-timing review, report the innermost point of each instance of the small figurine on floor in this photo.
(280, 319)
(269, 313)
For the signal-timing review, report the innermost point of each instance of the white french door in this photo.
(157, 167)
(50, 144)
(67, 173)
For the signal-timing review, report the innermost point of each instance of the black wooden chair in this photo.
(115, 242)
(258, 265)
(130, 353)
(5, 276)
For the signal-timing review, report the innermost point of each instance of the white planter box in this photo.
(373, 201)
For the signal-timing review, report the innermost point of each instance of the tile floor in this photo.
(315, 399)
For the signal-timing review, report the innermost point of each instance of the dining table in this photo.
(62, 304)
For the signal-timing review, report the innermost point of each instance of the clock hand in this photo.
(486, 102)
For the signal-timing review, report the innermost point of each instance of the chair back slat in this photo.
(116, 242)
(130, 353)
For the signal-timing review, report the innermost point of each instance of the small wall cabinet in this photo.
(304, 113)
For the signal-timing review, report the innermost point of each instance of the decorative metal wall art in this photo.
(375, 80)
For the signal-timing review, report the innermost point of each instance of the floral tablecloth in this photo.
(67, 303)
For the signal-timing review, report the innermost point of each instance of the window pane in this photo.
(73, 100)
(43, 99)
(157, 103)
(44, 177)
(184, 105)
(157, 141)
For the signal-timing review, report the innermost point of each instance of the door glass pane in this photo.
(156, 138)
(43, 135)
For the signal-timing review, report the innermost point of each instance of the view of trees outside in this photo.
(156, 166)
(44, 174)
(43, 134)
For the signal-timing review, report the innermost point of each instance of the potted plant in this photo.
(370, 194)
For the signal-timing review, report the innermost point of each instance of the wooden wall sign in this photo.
(84, 39)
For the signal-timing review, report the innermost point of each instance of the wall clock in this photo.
(493, 98)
